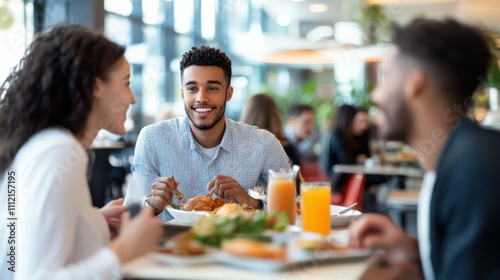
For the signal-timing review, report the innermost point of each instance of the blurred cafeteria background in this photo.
(320, 53)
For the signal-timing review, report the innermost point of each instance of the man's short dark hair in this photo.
(296, 110)
(207, 56)
(456, 54)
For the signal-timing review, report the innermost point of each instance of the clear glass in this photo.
(281, 193)
(315, 206)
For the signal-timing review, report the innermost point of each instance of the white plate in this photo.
(176, 260)
(270, 265)
(343, 220)
(340, 221)
(186, 217)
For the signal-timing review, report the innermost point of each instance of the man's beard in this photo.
(398, 121)
(217, 119)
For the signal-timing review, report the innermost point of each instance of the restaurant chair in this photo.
(351, 192)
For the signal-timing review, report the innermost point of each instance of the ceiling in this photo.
(294, 48)
(485, 12)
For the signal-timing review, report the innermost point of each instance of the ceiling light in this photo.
(298, 0)
(408, 2)
(318, 8)
(283, 20)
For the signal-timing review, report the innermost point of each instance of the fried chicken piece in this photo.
(218, 202)
(199, 203)
(229, 209)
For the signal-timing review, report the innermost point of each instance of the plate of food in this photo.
(306, 249)
(183, 250)
(194, 209)
(186, 217)
(203, 240)
(197, 207)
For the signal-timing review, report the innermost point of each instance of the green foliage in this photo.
(358, 96)
(6, 16)
(494, 74)
(308, 95)
(374, 22)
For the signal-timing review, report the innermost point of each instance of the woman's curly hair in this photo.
(52, 86)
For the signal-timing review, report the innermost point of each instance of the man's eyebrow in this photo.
(190, 83)
(214, 82)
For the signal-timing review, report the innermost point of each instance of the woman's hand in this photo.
(138, 235)
(112, 212)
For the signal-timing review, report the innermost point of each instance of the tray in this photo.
(269, 265)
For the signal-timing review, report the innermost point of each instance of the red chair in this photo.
(351, 191)
(312, 172)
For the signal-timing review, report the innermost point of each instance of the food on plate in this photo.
(179, 195)
(229, 209)
(183, 244)
(199, 203)
(252, 248)
(317, 245)
(202, 203)
(213, 230)
(218, 202)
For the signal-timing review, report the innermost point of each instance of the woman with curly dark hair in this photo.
(70, 83)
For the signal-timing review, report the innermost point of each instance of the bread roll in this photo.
(252, 248)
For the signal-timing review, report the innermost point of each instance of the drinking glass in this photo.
(281, 192)
(315, 206)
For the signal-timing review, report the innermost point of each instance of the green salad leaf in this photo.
(213, 230)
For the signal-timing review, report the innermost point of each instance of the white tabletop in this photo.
(148, 269)
(406, 200)
(382, 170)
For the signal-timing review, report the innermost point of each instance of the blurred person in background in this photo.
(300, 130)
(204, 151)
(430, 75)
(70, 83)
(348, 143)
(348, 140)
(261, 111)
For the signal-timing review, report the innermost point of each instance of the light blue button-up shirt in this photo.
(168, 148)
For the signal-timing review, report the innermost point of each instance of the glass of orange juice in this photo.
(315, 206)
(281, 193)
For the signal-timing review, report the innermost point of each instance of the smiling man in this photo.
(204, 151)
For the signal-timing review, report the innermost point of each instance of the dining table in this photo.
(403, 200)
(370, 267)
(379, 170)
(146, 268)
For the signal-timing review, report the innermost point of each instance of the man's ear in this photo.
(98, 88)
(229, 93)
(182, 93)
(416, 84)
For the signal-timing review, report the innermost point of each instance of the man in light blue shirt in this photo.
(204, 151)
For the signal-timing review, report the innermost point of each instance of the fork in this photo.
(346, 210)
(180, 196)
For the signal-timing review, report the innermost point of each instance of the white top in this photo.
(424, 206)
(59, 234)
(208, 152)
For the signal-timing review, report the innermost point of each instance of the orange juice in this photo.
(281, 197)
(315, 207)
